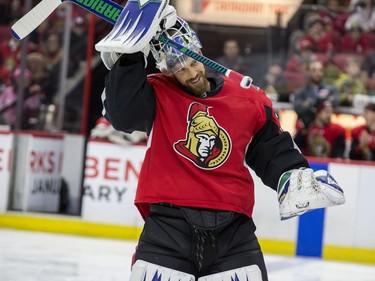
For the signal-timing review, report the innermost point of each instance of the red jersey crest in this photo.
(207, 145)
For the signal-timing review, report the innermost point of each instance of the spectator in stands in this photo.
(57, 18)
(275, 84)
(298, 61)
(363, 137)
(39, 35)
(331, 72)
(31, 102)
(294, 42)
(351, 83)
(354, 41)
(368, 71)
(323, 138)
(306, 98)
(8, 101)
(10, 57)
(336, 13)
(53, 58)
(78, 44)
(36, 63)
(10, 11)
(363, 15)
(321, 40)
(232, 57)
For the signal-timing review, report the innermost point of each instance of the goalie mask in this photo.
(169, 60)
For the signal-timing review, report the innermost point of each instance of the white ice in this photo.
(35, 256)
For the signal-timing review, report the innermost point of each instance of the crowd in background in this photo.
(329, 63)
(44, 55)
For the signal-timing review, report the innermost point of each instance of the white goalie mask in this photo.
(169, 60)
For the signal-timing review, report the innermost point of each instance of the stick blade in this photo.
(137, 25)
(29, 22)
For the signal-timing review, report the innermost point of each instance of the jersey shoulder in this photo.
(258, 95)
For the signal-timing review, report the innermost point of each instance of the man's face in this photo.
(192, 77)
(316, 31)
(316, 72)
(325, 115)
(231, 49)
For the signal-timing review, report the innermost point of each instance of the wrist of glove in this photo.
(110, 58)
(303, 190)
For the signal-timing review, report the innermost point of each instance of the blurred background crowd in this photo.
(320, 66)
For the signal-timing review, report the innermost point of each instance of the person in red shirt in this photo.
(363, 137)
(195, 190)
(354, 41)
(324, 138)
(337, 12)
(299, 61)
(322, 41)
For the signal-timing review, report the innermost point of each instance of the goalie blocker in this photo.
(138, 23)
(303, 190)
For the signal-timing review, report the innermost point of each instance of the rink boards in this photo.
(345, 232)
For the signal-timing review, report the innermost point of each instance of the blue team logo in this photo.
(207, 145)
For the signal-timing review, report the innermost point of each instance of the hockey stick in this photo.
(110, 11)
(105, 9)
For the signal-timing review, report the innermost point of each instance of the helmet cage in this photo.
(168, 59)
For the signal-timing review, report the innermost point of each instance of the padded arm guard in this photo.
(303, 190)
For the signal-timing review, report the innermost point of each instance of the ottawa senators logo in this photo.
(207, 145)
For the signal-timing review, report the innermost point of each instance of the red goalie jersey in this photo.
(200, 149)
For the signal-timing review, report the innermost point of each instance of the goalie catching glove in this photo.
(303, 190)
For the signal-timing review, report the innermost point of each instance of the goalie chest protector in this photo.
(197, 147)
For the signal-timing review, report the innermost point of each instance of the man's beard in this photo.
(199, 90)
(316, 81)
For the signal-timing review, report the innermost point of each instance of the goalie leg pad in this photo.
(145, 271)
(247, 273)
(303, 190)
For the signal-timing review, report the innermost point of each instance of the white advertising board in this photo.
(238, 12)
(6, 140)
(71, 172)
(44, 174)
(111, 176)
(352, 224)
(266, 214)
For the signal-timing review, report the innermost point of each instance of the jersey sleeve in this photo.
(272, 151)
(128, 99)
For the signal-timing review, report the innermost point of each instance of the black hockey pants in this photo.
(199, 241)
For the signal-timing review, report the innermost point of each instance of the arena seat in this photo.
(294, 80)
(341, 59)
